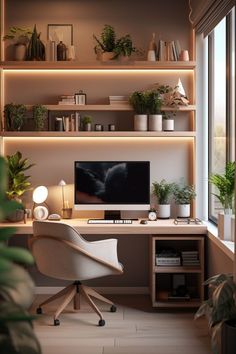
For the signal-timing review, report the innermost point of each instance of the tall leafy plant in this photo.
(16, 286)
(138, 101)
(108, 39)
(184, 194)
(225, 184)
(163, 191)
(18, 182)
(220, 307)
(154, 102)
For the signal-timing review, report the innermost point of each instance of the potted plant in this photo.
(225, 184)
(138, 101)
(36, 48)
(39, 116)
(16, 286)
(20, 37)
(183, 195)
(106, 45)
(163, 192)
(154, 103)
(124, 47)
(87, 123)
(14, 116)
(18, 182)
(220, 309)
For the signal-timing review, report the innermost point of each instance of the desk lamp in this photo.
(66, 211)
(39, 197)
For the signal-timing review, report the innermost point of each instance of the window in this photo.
(221, 72)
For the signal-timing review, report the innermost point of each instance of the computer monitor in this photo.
(112, 186)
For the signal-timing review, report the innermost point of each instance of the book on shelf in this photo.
(168, 50)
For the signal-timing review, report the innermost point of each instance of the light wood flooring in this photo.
(136, 328)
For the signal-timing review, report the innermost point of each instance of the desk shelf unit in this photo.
(161, 276)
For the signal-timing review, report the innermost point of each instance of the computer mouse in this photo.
(143, 222)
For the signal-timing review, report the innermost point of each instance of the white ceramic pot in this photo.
(168, 124)
(20, 52)
(141, 122)
(183, 210)
(151, 55)
(155, 122)
(224, 226)
(163, 211)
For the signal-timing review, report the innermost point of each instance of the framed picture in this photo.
(61, 32)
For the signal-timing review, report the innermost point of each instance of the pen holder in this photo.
(66, 213)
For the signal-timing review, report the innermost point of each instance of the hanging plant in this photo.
(36, 48)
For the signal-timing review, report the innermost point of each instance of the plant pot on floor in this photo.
(168, 124)
(228, 337)
(183, 210)
(155, 122)
(163, 211)
(141, 122)
(224, 226)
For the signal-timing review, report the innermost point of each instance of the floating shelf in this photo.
(47, 134)
(96, 65)
(110, 107)
(180, 269)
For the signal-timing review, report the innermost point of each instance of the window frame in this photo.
(229, 100)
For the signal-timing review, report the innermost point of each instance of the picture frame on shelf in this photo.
(60, 32)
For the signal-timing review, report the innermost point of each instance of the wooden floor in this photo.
(136, 328)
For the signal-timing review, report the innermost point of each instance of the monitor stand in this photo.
(112, 215)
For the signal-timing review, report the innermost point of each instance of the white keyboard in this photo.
(104, 221)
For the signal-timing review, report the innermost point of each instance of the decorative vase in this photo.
(106, 56)
(183, 210)
(20, 52)
(163, 211)
(224, 226)
(61, 51)
(155, 122)
(141, 122)
(168, 124)
(151, 55)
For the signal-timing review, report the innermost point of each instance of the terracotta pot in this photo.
(106, 56)
(20, 52)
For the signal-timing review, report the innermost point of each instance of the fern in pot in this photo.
(138, 101)
(105, 47)
(225, 184)
(154, 103)
(163, 192)
(220, 310)
(183, 194)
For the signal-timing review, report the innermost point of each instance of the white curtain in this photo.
(206, 14)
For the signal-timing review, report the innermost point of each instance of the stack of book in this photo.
(114, 100)
(67, 99)
(168, 258)
(168, 51)
(190, 258)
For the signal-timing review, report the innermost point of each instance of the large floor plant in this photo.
(16, 286)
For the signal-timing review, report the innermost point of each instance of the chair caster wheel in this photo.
(39, 311)
(56, 322)
(113, 308)
(101, 323)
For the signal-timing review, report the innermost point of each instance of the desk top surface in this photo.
(152, 227)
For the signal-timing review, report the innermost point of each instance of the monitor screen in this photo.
(112, 185)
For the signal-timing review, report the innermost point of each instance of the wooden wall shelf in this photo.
(109, 107)
(117, 65)
(130, 134)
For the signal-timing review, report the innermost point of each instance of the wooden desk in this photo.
(151, 228)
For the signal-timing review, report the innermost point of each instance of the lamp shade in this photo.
(40, 194)
(62, 183)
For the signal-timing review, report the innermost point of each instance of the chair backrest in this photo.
(61, 252)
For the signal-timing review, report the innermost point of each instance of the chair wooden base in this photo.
(74, 292)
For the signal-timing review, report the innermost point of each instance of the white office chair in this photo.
(61, 252)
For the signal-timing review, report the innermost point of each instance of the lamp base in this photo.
(66, 213)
